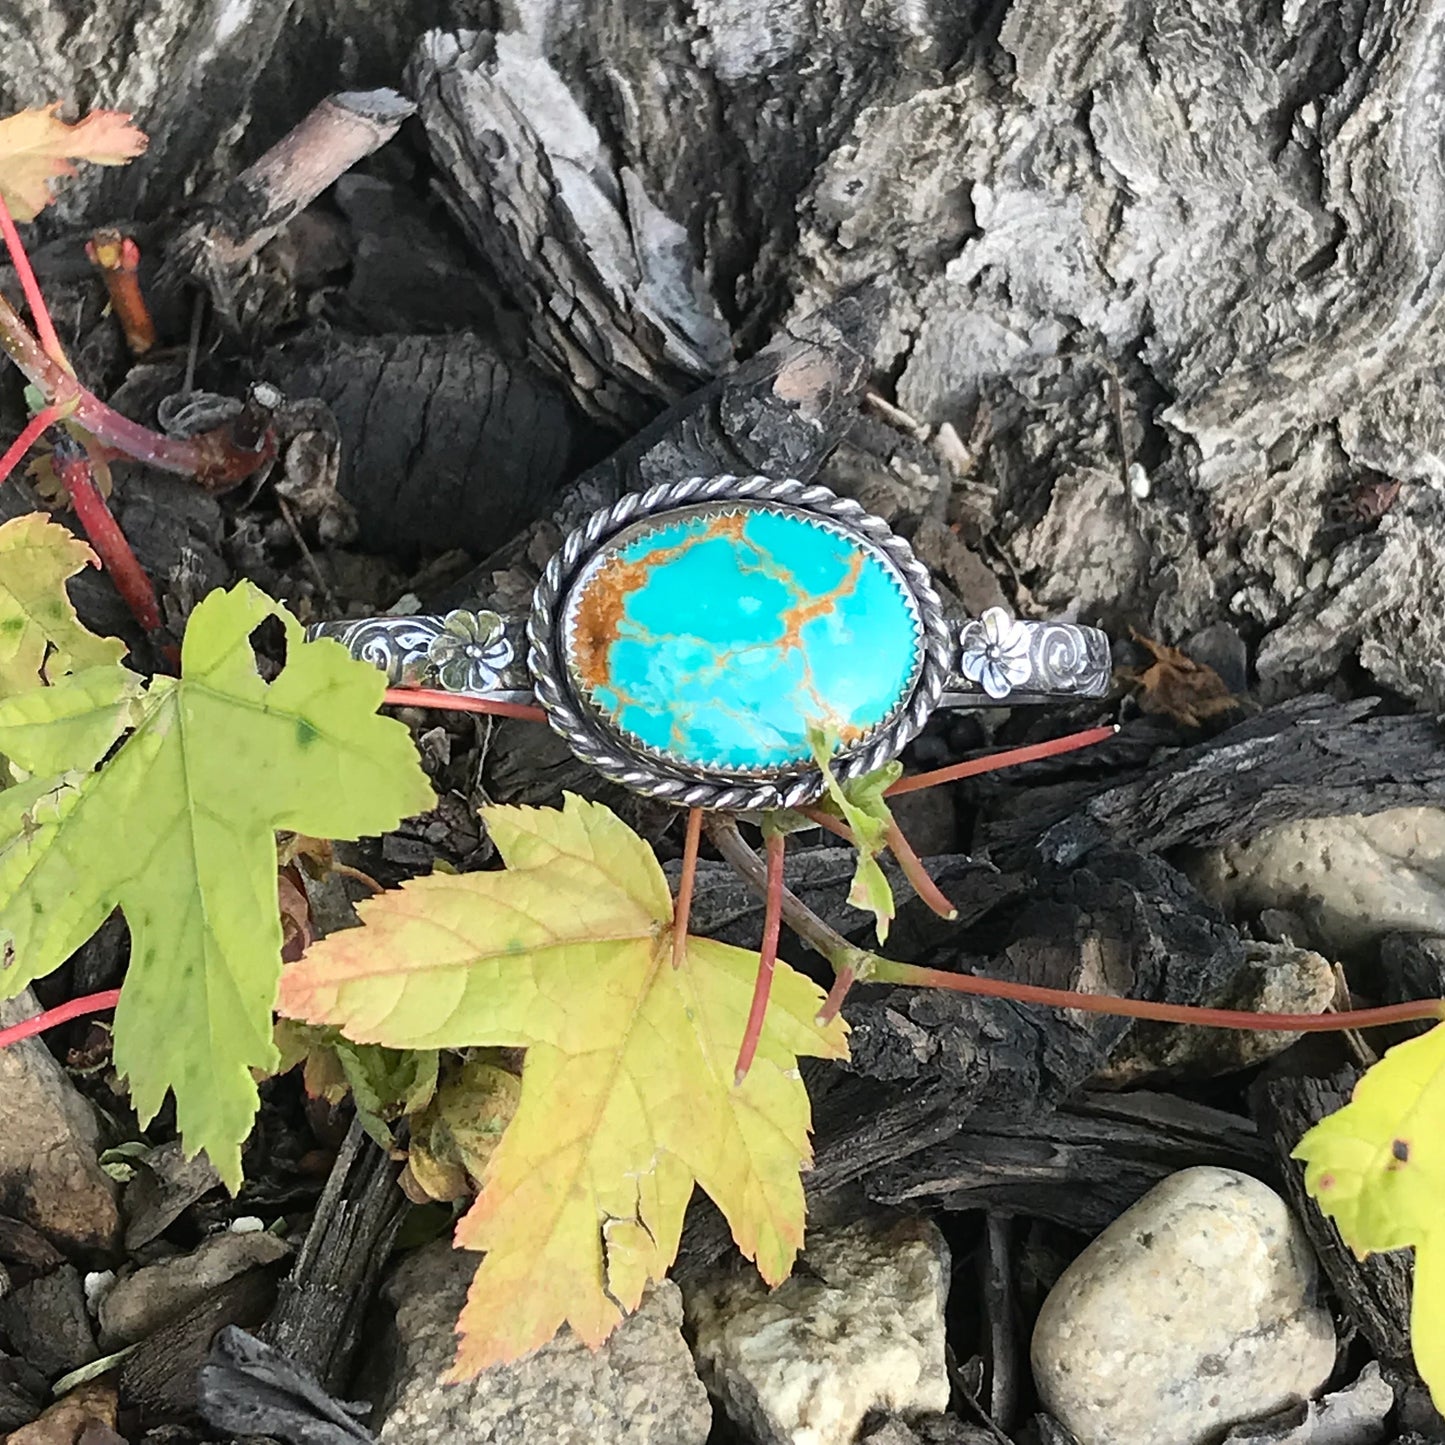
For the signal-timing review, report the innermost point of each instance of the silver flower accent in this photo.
(995, 653)
(471, 650)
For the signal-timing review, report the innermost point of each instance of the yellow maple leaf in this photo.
(41, 638)
(37, 147)
(1377, 1168)
(627, 1088)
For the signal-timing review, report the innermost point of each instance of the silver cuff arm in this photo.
(998, 661)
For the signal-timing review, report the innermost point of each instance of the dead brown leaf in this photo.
(1174, 684)
(37, 147)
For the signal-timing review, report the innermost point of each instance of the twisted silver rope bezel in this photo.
(598, 744)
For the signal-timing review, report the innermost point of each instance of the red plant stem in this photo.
(91, 1003)
(117, 257)
(902, 850)
(917, 874)
(213, 458)
(72, 466)
(885, 970)
(1012, 756)
(833, 825)
(458, 702)
(843, 980)
(34, 298)
(682, 910)
(768, 957)
(27, 438)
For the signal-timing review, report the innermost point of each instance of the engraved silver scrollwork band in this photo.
(474, 653)
(997, 661)
(990, 661)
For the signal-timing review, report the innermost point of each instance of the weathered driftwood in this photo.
(1193, 245)
(1081, 1167)
(618, 309)
(249, 1388)
(1003, 1348)
(1308, 758)
(780, 414)
(1172, 237)
(322, 1301)
(941, 1084)
(446, 442)
(159, 1377)
(1412, 965)
(727, 908)
(217, 249)
(213, 84)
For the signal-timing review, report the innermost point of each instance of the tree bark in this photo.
(1193, 242)
(1193, 246)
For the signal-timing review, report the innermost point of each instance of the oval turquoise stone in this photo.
(717, 640)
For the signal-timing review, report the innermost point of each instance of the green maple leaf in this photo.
(177, 829)
(1377, 1168)
(627, 1088)
(40, 635)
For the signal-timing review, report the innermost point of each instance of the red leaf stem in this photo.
(843, 980)
(91, 1003)
(27, 438)
(768, 956)
(682, 911)
(917, 874)
(34, 298)
(72, 466)
(214, 459)
(1007, 759)
(457, 702)
(902, 850)
(885, 970)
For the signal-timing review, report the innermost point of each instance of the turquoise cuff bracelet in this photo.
(686, 640)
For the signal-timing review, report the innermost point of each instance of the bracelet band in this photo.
(1000, 662)
(685, 639)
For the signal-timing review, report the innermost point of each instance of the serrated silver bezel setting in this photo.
(598, 741)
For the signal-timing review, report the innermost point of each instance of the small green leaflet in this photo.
(177, 828)
(384, 1084)
(861, 805)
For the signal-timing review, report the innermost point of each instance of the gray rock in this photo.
(1355, 1415)
(931, 1430)
(890, 1432)
(1192, 1312)
(1350, 879)
(140, 1303)
(165, 1185)
(1276, 978)
(23, 1392)
(858, 1327)
(49, 1175)
(46, 1322)
(640, 1388)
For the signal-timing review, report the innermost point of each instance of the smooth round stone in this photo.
(717, 640)
(1195, 1310)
